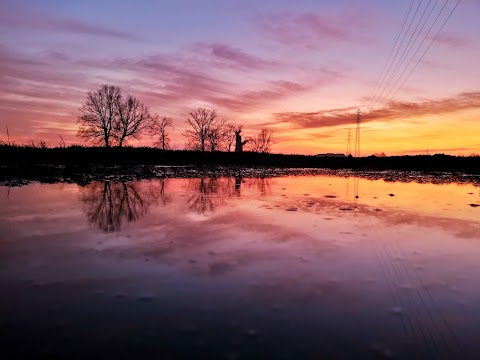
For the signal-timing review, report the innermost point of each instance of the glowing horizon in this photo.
(299, 69)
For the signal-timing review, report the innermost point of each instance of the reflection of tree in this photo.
(207, 195)
(111, 203)
(262, 185)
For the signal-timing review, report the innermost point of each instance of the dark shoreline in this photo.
(82, 165)
(83, 175)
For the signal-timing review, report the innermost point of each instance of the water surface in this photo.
(290, 267)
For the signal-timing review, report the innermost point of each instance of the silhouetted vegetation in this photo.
(262, 143)
(159, 128)
(79, 164)
(110, 119)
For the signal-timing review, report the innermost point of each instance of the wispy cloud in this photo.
(396, 110)
(312, 30)
(20, 18)
(228, 56)
(453, 40)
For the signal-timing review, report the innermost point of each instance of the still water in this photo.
(289, 267)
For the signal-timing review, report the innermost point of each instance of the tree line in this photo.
(109, 118)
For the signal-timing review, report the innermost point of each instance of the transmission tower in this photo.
(349, 145)
(357, 135)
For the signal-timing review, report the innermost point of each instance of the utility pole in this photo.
(349, 146)
(8, 135)
(357, 135)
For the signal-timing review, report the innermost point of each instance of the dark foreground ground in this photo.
(82, 165)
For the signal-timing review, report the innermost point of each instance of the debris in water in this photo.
(330, 196)
(346, 209)
(291, 209)
(474, 205)
(391, 195)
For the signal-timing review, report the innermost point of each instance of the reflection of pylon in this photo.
(349, 146)
(357, 135)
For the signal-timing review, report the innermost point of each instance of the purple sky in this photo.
(298, 67)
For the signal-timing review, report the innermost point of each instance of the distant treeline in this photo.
(25, 156)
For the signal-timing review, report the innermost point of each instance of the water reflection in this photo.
(109, 204)
(395, 276)
(207, 194)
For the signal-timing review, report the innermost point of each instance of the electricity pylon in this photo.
(357, 135)
(349, 145)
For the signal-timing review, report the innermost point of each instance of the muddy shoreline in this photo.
(16, 175)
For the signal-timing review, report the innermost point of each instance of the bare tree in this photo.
(62, 142)
(99, 115)
(230, 131)
(159, 127)
(133, 120)
(202, 122)
(262, 142)
(216, 135)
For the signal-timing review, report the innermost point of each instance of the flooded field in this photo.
(287, 267)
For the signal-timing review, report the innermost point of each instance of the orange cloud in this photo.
(396, 110)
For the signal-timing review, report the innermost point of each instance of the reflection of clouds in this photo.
(218, 245)
(465, 229)
(110, 203)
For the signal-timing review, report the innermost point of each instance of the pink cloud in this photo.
(19, 18)
(452, 40)
(312, 30)
(229, 56)
(33, 90)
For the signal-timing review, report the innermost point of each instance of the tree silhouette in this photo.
(262, 143)
(107, 116)
(159, 127)
(99, 115)
(204, 126)
(133, 119)
(216, 135)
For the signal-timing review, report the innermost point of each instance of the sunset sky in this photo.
(300, 68)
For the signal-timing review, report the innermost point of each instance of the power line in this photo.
(389, 55)
(418, 48)
(426, 50)
(396, 54)
(410, 44)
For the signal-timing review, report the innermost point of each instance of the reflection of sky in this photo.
(256, 62)
(276, 250)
